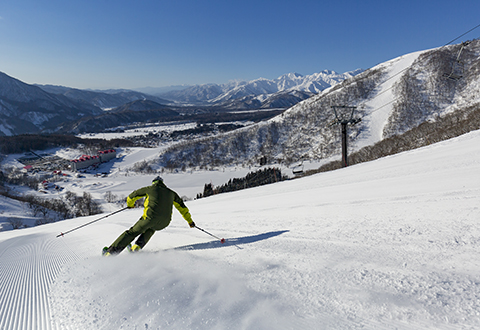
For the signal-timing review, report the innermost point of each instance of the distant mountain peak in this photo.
(234, 90)
(292, 75)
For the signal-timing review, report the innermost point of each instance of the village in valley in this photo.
(55, 169)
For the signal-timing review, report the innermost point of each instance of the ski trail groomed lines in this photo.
(29, 266)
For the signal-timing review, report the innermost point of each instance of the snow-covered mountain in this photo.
(26, 108)
(106, 100)
(391, 98)
(33, 108)
(261, 88)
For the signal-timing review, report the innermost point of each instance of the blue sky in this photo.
(132, 44)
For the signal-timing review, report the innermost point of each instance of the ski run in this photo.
(389, 244)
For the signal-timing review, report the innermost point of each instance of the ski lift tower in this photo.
(344, 117)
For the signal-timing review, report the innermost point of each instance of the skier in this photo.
(157, 214)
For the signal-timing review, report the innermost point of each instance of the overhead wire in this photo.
(461, 35)
(353, 80)
(403, 70)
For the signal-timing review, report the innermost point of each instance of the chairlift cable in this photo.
(400, 72)
(407, 69)
(461, 36)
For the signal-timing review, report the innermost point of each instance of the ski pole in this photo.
(88, 223)
(222, 240)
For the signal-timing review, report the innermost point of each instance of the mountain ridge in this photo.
(105, 100)
(28, 108)
(220, 93)
(390, 98)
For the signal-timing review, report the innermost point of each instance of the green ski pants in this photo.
(144, 227)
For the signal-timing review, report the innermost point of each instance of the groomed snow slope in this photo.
(390, 244)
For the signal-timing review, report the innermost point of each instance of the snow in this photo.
(10, 161)
(212, 93)
(379, 108)
(389, 244)
(38, 118)
(5, 129)
(11, 209)
(121, 181)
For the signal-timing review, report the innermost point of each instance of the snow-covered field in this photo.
(138, 131)
(390, 244)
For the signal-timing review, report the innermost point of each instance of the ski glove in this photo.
(191, 224)
(130, 203)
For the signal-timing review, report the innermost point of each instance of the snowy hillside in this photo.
(26, 108)
(390, 98)
(14, 211)
(105, 100)
(390, 244)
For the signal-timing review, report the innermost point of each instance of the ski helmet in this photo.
(158, 178)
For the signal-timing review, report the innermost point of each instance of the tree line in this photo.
(22, 143)
(252, 179)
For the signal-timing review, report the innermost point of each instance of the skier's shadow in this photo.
(231, 241)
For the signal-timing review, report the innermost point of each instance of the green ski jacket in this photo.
(159, 201)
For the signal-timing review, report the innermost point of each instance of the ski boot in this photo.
(105, 252)
(133, 248)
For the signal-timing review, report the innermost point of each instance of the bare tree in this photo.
(15, 222)
(87, 205)
(110, 197)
